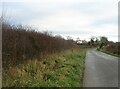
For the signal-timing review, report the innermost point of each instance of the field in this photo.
(64, 69)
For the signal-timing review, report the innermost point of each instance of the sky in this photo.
(75, 18)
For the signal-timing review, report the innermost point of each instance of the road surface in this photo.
(101, 70)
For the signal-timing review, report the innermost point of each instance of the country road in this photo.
(101, 70)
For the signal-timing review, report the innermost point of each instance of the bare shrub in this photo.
(21, 43)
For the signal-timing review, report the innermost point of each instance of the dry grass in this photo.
(64, 69)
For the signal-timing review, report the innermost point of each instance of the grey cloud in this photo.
(28, 12)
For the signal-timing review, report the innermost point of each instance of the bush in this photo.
(113, 48)
(21, 43)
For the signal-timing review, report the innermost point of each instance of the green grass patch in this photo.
(64, 69)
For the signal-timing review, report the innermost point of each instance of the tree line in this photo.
(20, 43)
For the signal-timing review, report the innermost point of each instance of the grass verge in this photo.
(110, 53)
(64, 69)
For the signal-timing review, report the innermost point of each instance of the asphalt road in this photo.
(101, 70)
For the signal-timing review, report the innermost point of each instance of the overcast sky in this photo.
(76, 18)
